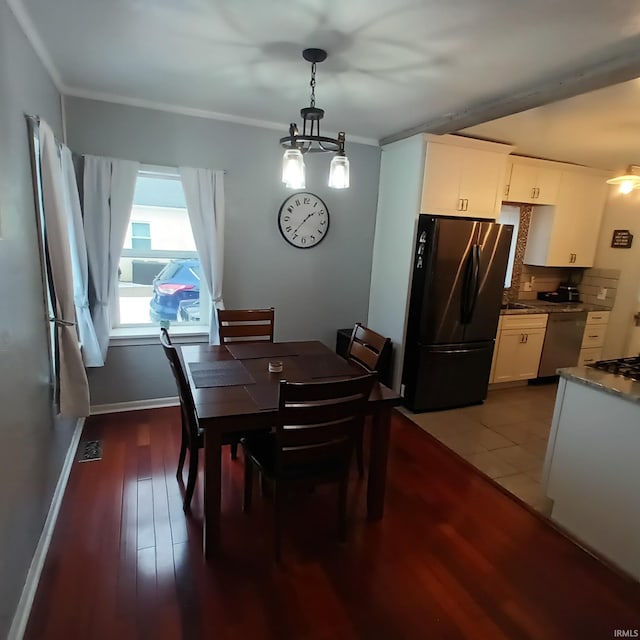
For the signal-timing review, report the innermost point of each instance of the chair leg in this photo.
(359, 453)
(181, 457)
(277, 519)
(234, 450)
(248, 484)
(342, 507)
(191, 482)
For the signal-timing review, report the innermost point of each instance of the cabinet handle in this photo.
(537, 192)
(533, 193)
(506, 191)
(596, 336)
(461, 204)
(466, 205)
(526, 337)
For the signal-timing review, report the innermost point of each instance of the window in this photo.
(159, 269)
(141, 235)
(510, 215)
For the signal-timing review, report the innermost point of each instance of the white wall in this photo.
(32, 444)
(314, 291)
(621, 212)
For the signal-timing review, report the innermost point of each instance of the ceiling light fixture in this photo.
(629, 181)
(296, 144)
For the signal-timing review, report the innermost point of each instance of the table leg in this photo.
(379, 452)
(212, 491)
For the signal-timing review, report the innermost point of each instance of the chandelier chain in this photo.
(312, 84)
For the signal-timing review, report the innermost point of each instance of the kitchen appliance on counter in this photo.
(565, 292)
(456, 292)
(562, 342)
(627, 367)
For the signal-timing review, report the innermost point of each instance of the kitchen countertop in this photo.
(604, 381)
(541, 306)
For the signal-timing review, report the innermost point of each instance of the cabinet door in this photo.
(587, 220)
(481, 182)
(519, 352)
(441, 186)
(547, 185)
(523, 182)
(576, 221)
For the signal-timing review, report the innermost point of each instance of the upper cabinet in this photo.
(463, 177)
(532, 181)
(565, 235)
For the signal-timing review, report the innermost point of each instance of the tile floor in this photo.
(506, 437)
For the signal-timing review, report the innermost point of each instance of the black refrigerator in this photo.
(456, 292)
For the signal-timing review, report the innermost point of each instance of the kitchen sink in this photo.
(515, 305)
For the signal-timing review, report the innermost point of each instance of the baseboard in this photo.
(23, 610)
(135, 405)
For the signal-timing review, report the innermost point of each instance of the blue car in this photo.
(178, 281)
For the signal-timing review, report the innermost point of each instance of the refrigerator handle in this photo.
(476, 252)
(471, 284)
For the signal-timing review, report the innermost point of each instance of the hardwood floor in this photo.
(454, 557)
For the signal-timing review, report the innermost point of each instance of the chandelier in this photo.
(296, 144)
(629, 181)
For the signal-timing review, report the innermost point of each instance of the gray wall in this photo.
(314, 291)
(32, 444)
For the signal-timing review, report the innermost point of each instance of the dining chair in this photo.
(246, 325)
(250, 325)
(192, 439)
(368, 350)
(313, 441)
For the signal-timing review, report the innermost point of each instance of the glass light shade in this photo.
(293, 169)
(339, 172)
(629, 181)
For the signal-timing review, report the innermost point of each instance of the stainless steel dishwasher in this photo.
(562, 341)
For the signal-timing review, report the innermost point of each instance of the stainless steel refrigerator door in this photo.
(448, 256)
(492, 255)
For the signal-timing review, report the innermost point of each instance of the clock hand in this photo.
(308, 216)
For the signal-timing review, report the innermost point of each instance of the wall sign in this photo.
(621, 239)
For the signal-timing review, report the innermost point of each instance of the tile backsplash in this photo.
(595, 281)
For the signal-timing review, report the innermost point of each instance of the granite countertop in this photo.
(604, 381)
(540, 306)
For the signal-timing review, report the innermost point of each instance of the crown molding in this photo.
(142, 103)
(31, 33)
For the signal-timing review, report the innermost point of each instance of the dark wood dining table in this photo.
(233, 390)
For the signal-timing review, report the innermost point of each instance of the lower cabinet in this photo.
(593, 337)
(518, 347)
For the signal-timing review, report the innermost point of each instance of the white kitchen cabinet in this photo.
(462, 180)
(593, 337)
(532, 181)
(565, 235)
(519, 347)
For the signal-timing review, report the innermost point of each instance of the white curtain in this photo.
(88, 340)
(74, 387)
(204, 193)
(109, 185)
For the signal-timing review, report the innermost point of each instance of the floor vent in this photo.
(90, 450)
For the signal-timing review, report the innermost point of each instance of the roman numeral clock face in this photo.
(303, 220)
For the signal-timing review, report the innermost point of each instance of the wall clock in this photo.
(303, 220)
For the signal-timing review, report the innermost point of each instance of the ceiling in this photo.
(391, 67)
(598, 129)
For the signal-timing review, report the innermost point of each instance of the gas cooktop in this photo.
(627, 367)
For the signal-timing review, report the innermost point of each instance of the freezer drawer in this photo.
(447, 376)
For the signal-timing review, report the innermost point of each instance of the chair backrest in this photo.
(248, 325)
(186, 399)
(367, 348)
(318, 421)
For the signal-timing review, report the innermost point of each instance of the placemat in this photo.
(224, 373)
(251, 350)
(326, 366)
(264, 395)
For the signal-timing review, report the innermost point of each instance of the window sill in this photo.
(129, 336)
